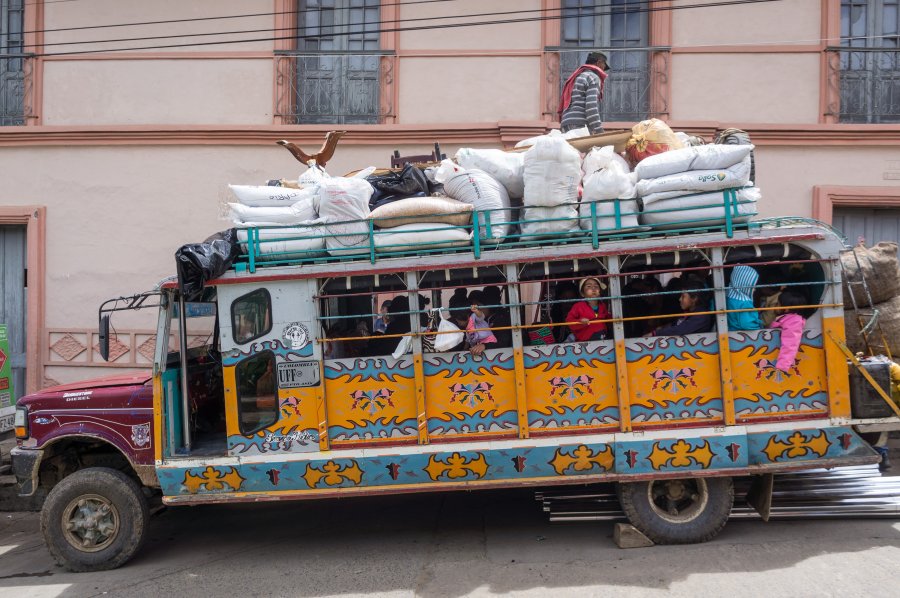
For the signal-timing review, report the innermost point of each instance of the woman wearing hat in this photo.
(583, 316)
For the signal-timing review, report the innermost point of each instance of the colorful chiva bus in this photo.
(297, 386)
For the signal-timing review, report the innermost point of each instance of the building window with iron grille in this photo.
(866, 66)
(12, 63)
(619, 29)
(335, 67)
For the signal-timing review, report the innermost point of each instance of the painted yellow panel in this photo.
(572, 386)
(470, 396)
(674, 380)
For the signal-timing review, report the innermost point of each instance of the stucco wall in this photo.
(762, 88)
(506, 36)
(780, 22)
(471, 89)
(787, 175)
(99, 14)
(157, 92)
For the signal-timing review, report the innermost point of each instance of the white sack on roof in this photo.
(737, 175)
(606, 215)
(284, 243)
(264, 196)
(345, 199)
(552, 172)
(700, 209)
(506, 167)
(313, 176)
(612, 182)
(301, 211)
(701, 157)
(554, 220)
(601, 157)
(420, 235)
(481, 190)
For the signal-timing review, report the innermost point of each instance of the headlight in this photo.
(21, 422)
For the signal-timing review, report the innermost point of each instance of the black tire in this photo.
(104, 509)
(681, 511)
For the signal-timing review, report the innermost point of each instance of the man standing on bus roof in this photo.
(579, 105)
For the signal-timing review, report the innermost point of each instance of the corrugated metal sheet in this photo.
(873, 224)
(13, 298)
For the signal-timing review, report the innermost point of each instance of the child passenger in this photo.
(582, 313)
(694, 298)
(740, 296)
(478, 330)
(791, 324)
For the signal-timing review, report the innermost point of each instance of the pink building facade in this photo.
(118, 142)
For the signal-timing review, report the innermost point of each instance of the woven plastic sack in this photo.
(482, 191)
(650, 137)
(552, 172)
(704, 157)
(881, 269)
(558, 220)
(421, 235)
(601, 157)
(422, 209)
(695, 181)
(265, 196)
(506, 167)
(611, 182)
(301, 210)
(342, 203)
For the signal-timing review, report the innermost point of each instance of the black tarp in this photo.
(197, 263)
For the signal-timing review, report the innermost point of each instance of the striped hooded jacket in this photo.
(740, 296)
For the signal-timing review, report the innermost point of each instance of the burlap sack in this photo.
(881, 269)
(888, 323)
(441, 210)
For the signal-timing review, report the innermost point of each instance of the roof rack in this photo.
(363, 240)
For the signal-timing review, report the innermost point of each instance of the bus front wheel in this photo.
(94, 519)
(678, 511)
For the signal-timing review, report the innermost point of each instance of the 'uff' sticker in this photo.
(296, 335)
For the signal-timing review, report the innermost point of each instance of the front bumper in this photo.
(26, 463)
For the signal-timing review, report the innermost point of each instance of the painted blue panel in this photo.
(633, 457)
(681, 454)
(806, 445)
(282, 352)
(669, 347)
(371, 368)
(569, 354)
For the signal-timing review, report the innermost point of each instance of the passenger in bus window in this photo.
(497, 316)
(740, 296)
(478, 332)
(648, 302)
(791, 324)
(459, 314)
(564, 293)
(398, 324)
(671, 309)
(695, 297)
(583, 315)
(381, 321)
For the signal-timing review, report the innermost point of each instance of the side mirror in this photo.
(103, 341)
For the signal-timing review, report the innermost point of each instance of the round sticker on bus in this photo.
(296, 335)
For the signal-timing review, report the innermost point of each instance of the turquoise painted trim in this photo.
(434, 466)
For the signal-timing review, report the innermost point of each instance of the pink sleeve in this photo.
(791, 334)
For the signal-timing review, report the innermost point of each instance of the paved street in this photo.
(455, 544)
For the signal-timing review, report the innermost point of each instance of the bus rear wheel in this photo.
(678, 511)
(94, 519)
